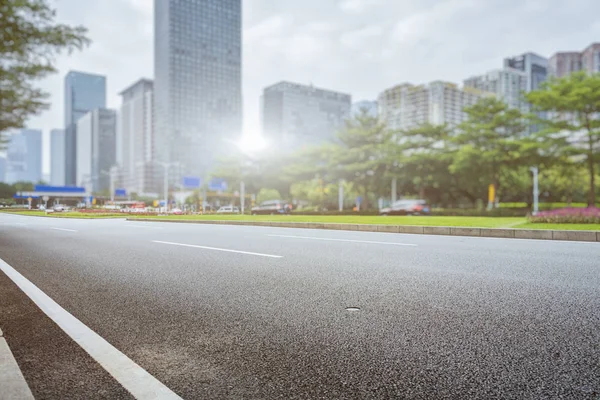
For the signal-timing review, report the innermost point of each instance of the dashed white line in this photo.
(131, 376)
(343, 240)
(218, 249)
(64, 229)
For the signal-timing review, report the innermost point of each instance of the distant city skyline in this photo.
(353, 46)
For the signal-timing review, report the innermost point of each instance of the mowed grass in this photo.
(474, 222)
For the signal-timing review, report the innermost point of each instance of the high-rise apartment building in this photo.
(566, 62)
(369, 106)
(295, 115)
(83, 92)
(57, 157)
(134, 136)
(24, 156)
(507, 84)
(198, 80)
(408, 106)
(96, 148)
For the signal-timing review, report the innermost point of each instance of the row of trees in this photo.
(449, 166)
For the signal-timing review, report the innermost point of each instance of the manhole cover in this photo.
(352, 309)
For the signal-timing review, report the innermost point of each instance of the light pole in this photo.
(112, 175)
(536, 191)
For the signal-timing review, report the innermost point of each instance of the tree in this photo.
(29, 41)
(489, 141)
(574, 106)
(362, 155)
(267, 194)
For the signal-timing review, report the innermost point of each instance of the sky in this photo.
(360, 47)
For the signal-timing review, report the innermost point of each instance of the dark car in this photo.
(407, 207)
(272, 207)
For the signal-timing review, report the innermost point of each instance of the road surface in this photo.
(215, 312)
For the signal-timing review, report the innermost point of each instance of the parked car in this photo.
(228, 210)
(272, 207)
(407, 207)
(176, 211)
(59, 208)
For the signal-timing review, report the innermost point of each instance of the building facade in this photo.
(24, 156)
(567, 62)
(371, 108)
(535, 68)
(408, 106)
(135, 136)
(507, 84)
(57, 157)
(295, 115)
(564, 63)
(96, 149)
(198, 81)
(83, 92)
(2, 169)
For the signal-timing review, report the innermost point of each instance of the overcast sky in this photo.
(355, 46)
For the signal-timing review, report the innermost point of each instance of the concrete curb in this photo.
(12, 383)
(578, 236)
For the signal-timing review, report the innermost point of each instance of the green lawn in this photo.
(478, 222)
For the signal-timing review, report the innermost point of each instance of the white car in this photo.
(228, 210)
(59, 208)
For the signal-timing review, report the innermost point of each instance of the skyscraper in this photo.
(590, 58)
(295, 115)
(134, 136)
(197, 86)
(534, 66)
(2, 169)
(57, 157)
(24, 156)
(96, 148)
(83, 93)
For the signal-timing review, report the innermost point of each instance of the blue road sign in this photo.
(217, 184)
(192, 182)
(121, 192)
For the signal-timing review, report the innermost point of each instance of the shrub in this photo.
(590, 215)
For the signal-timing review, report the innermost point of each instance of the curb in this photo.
(507, 233)
(12, 382)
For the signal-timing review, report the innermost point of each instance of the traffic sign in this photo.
(217, 184)
(46, 198)
(192, 182)
(121, 192)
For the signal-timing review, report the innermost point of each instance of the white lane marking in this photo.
(218, 249)
(131, 376)
(12, 382)
(20, 224)
(343, 240)
(64, 230)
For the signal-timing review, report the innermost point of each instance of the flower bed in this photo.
(590, 215)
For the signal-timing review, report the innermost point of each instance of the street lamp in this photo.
(536, 192)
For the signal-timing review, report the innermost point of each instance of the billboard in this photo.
(192, 182)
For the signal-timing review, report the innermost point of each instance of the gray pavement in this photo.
(253, 312)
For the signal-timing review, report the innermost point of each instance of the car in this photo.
(407, 207)
(272, 207)
(176, 211)
(59, 208)
(228, 210)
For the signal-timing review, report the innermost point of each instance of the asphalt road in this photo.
(222, 311)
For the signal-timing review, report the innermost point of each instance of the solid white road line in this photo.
(343, 240)
(131, 376)
(64, 230)
(218, 249)
(12, 382)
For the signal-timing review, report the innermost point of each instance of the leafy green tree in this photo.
(29, 41)
(574, 106)
(361, 155)
(490, 141)
(267, 194)
(7, 191)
